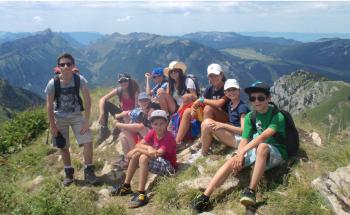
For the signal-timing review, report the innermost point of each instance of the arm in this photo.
(130, 126)
(121, 114)
(256, 141)
(148, 150)
(148, 88)
(49, 107)
(87, 102)
(103, 101)
(230, 127)
(188, 97)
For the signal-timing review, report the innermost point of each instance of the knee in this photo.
(262, 150)
(206, 124)
(143, 159)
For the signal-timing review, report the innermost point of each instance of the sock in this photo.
(142, 192)
(87, 165)
(68, 167)
(126, 185)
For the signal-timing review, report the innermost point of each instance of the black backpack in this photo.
(292, 136)
(196, 83)
(57, 85)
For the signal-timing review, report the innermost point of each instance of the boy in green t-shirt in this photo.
(258, 145)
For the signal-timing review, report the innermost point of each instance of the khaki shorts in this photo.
(76, 121)
(237, 138)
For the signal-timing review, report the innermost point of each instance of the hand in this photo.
(147, 75)
(152, 152)
(54, 130)
(187, 98)
(130, 154)
(219, 125)
(85, 127)
(160, 91)
(237, 162)
(195, 104)
(101, 120)
(117, 124)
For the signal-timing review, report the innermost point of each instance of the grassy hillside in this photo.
(31, 179)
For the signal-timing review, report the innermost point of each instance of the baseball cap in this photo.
(175, 65)
(157, 72)
(122, 76)
(231, 83)
(158, 114)
(258, 86)
(143, 95)
(214, 69)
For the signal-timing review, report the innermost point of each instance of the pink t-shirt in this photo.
(167, 143)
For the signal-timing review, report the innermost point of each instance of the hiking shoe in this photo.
(103, 134)
(196, 147)
(69, 178)
(120, 190)
(121, 163)
(248, 197)
(200, 203)
(115, 133)
(138, 200)
(89, 175)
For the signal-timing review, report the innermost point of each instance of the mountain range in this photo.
(245, 58)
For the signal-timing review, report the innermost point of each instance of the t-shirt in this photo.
(210, 93)
(235, 113)
(167, 143)
(68, 99)
(262, 123)
(189, 85)
(163, 85)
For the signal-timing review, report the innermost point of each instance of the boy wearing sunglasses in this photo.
(258, 146)
(65, 108)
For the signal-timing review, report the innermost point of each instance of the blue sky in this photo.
(176, 17)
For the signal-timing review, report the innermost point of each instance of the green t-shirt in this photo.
(262, 122)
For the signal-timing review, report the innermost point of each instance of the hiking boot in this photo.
(115, 133)
(89, 175)
(138, 200)
(248, 197)
(194, 157)
(69, 176)
(120, 190)
(121, 163)
(103, 134)
(201, 203)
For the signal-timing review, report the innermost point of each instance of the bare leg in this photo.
(133, 164)
(216, 114)
(66, 156)
(127, 142)
(184, 125)
(219, 177)
(167, 103)
(143, 161)
(226, 137)
(262, 153)
(206, 135)
(88, 153)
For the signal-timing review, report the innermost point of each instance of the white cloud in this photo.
(37, 20)
(124, 19)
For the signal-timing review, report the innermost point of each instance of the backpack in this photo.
(196, 83)
(292, 136)
(57, 85)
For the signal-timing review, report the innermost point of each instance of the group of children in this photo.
(150, 143)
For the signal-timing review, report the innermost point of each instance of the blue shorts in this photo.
(275, 158)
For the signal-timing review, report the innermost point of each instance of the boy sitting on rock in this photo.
(155, 153)
(258, 145)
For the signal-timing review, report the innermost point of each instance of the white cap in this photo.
(214, 69)
(175, 65)
(143, 95)
(158, 113)
(231, 83)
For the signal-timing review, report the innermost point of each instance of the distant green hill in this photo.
(13, 99)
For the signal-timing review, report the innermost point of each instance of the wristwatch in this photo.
(201, 99)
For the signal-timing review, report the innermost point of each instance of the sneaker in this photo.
(103, 134)
(248, 197)
(138, 200)
(115, 133)
(89, 175)
(120, 190)
(196, 147)
(69, 176)
(201, 203)
(194, 157)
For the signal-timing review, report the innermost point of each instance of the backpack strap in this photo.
(57, 85)
(77, 90)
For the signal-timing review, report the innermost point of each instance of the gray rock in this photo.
(335, 188)
(316, 139)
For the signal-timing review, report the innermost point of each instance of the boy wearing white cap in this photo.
(155, 153)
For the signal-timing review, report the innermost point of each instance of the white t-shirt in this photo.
(189, 86)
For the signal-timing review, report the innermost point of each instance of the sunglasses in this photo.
(156, 76)
(175, 71)
(259, 98)
(232, 89)
(65, 64)
(124, 80)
